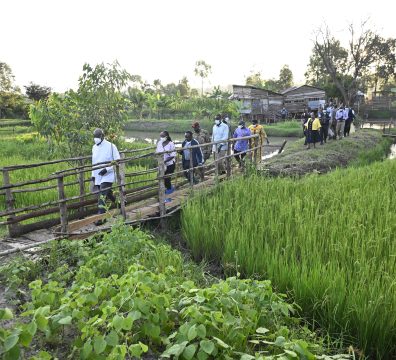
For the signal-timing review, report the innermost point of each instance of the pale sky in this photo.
(48, 41)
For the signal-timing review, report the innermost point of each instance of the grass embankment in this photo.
(282, 129)
(128, 296)
(363, 146)
(329, 240)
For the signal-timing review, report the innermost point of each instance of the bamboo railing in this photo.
(129, 189)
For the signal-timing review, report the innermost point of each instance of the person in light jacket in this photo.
(196, 153)
(103, 178)
(220, 132)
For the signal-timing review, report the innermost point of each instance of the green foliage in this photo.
(327, 239)
(36, 92)
(68, 120)
(128, 296)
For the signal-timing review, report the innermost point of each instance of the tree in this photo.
(285, 78)
(37, 92)
(349, 69)
(69, 120)
(12, 103)
(202, 69)
(6, 77)
(255, 79)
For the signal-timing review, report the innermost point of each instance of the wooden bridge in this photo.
(141, 194)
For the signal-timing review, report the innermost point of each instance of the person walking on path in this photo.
(103, 178)
(196, 153)
(348, 122)
(241, 146)
(313, 126)
(256, 128)
(340, 123)
(165, 144)
(203, 137)
(220, 133)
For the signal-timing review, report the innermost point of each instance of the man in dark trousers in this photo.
(196, 153)
(103, 178)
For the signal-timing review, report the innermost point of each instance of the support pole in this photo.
(228, 162)
(10, 202)
(121, 186)
(62, 205)
(161, 186)
(191, 171)
(81, 183)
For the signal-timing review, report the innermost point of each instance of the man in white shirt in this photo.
(220, 133)
(103, 178)
(340, 122)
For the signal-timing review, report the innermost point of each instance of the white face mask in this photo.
(217, 122)
(240, 126)
(162, 139)
(97, 141)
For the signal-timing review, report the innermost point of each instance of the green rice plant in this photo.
(329, 240)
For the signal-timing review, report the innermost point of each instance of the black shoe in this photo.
(100, 222)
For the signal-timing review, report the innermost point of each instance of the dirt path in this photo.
(296, 160)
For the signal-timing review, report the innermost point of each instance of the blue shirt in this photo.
(241, 145)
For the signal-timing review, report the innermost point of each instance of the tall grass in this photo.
(330, 240)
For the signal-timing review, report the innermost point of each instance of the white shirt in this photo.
(345, 114)
(105, 151)
(220, 133)
(169, 146)
(340, 115)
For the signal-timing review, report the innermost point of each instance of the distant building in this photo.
(297, 99)
(257, 103)
(262, 104)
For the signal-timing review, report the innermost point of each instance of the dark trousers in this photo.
(324, 133)
(188, 172)
(105, 193)
(239, 157)
(170, 169)
(347, 127)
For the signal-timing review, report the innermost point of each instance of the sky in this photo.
(48, 41)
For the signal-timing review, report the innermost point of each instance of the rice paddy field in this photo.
(328, 241)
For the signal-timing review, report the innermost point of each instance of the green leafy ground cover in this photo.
(127, 296)
(329, 240)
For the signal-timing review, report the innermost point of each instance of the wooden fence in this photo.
(67, 208)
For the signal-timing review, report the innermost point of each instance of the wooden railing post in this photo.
(81, 183)
(161, 185)
(255, 151)
(62, 205)
(216, 160)
(10, 202)
(228, 162)
(121, 186)
(191, 171)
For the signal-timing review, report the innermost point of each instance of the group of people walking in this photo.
(194, 156)
(329, 122)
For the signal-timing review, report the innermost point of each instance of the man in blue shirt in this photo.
(240, 146)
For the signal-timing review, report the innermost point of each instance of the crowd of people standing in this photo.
(329, 122)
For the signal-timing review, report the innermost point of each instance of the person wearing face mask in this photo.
(240, 146)
(202, 137)
(220, 133)
(103, 178)
(196, 153)
(256, 128)
(165, 144)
